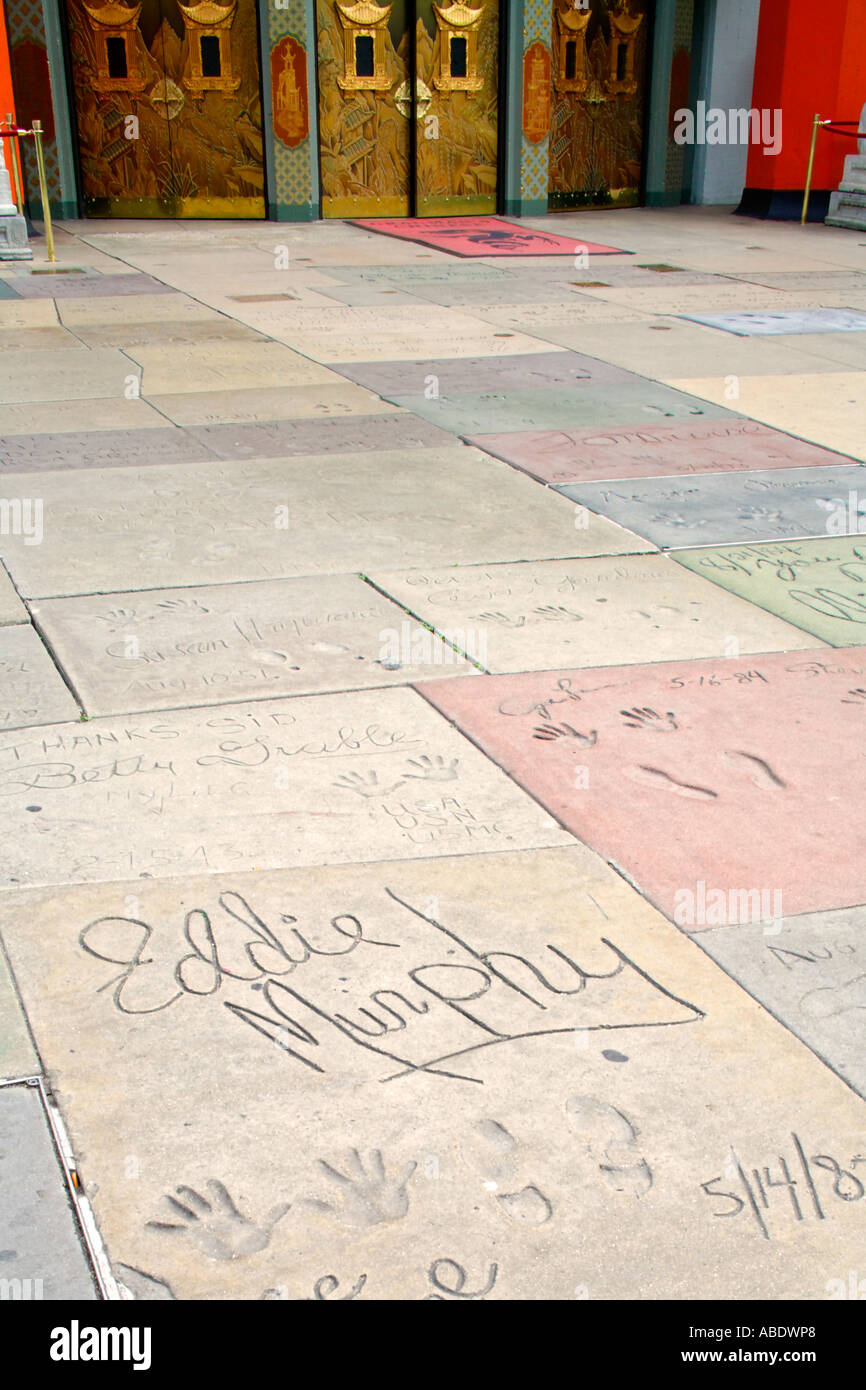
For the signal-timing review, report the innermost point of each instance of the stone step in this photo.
(846, 199)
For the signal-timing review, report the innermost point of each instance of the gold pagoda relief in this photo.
(365, 65)
(621, 78)
(172, 124)
(457, 57)
(596, 140)
(570, 71)
(118, 61)
(209, 55)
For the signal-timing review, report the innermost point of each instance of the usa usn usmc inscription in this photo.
(449, 999)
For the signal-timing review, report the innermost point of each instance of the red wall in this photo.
(811, 58)
(6, 101)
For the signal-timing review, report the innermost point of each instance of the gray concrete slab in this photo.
(17, 1053)
(346, 778)
(398, 429)
(529, 371)
(68, 374)
(786, 321)
(810, 973)
(726, 507)
(88, 286)
(283, 518)
(316, 1114)
(31, 688)
(540, 408)
(12, 610)
(39, 1239)
(228, 642)
(133, 448)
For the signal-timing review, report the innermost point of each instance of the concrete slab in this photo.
(31, 689)
(88, 286)
(22, 453)
(222, 643)
(440, 341)
(729, 772)
(530, 371)
(837, 281)
(223, 367)
(816, 585)
(570, 1133)
(108, 413)
(397, 429)
(167, 333)
(225, 522)
(40, 339)
(191, 409)
(70, 375)
(647, 451)
(39, 1240)
(786, 321)
(589, 403)
(17, 1053)
(719, 507)
(724, 297)
(827, 409)
(28, 313)
(606, 611)
(435, 271)
(145, 308)
(555, 321)
(810, 974)
(319, 779)
(12, 610)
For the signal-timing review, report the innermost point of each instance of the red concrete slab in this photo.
(653, 451)
(482, 236)
(744, 775)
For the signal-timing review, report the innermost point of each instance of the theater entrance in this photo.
(408, 107)
(168, 108)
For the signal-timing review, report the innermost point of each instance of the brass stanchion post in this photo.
(815, 124)
(43, 190)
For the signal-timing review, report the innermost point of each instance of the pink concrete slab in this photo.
(481, 236)
(745, 775)
(651, 451)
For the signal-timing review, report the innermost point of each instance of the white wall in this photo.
(725, 80)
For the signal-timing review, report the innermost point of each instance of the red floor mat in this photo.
(482, 236)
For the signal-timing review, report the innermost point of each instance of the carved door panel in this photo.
(168, 107)
(599, 94)
(408, 107)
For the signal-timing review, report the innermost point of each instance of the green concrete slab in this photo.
(818, 585)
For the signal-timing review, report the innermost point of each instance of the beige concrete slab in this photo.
(270, 403)
(228, 642)
(669, 347)
(12, 610)
(827, 409)
(31, 689)
(27, 313)
(597, 612)
(317, 1114)
(71, 374)
(167, 333)
(17, 1053)
(223, 367)
(14, 340)
(740, 296)
(139, 308)
(317, 779)
(531, 318)
(160, 526)
(57, 417)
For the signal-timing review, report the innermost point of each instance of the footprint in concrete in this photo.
(611, 1140)
(756, 769)
(493, 1154)
(654, 777)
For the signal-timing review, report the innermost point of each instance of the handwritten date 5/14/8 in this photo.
(814, 1184)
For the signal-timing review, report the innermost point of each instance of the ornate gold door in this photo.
(599, 91)
(168, 107)
(408, 107)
